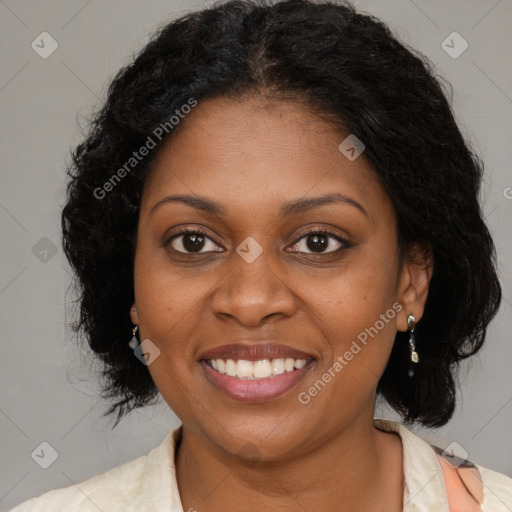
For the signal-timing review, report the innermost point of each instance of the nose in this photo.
(251, 291)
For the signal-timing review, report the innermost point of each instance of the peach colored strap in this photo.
(463, 481)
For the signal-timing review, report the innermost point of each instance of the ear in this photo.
(134, 315)
(415, 276)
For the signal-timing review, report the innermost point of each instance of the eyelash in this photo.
(316, 231)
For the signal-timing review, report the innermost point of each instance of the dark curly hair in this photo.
(346, 66)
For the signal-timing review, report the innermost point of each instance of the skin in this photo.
(251, 156)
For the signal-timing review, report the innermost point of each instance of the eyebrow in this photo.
(289, 208)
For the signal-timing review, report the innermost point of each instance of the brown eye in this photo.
(318, 241)
(192, 241)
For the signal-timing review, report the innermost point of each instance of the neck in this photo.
(337, 471)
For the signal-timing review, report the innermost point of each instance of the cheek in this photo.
(358, 327)
(168, 308)
(167, 298)
(357, 316)
(353, 297)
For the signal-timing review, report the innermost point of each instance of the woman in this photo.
(277, 203)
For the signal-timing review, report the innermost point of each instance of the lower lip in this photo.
(255, 390)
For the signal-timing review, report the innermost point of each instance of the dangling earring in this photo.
(133, 343)
(412, 343)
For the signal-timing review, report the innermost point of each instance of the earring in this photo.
(134, 341)
(411, 320)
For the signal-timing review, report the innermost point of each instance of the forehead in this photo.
(255, 152)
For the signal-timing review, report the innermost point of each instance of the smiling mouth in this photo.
(256, 381)
(256, 370)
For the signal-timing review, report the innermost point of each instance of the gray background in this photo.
(48, 387)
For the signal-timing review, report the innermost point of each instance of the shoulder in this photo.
(113, 488)
(497, 489)
(470, 483)
(432, 473)
(486, 486)
(130, 486)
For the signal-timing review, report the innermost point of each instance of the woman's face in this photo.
(255, 173)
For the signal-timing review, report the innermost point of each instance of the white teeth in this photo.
(277, 366)
(262, 369)
(289, 364)
(231, 368)
(243, 368)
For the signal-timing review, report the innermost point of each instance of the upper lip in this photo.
(254, 352)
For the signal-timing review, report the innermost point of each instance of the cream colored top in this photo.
(148, 483)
